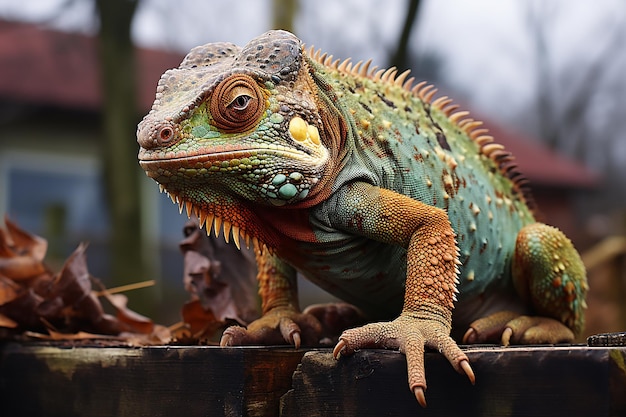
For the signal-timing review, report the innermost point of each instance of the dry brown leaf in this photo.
(21, 267)
(202, 324)
(161, 335)
(25, 243)
(72, 283)
(135, 321)
(21, 254)
(227, 287)
(73, 286)
(23, 309)
(32, 299)
(214, 295)
(8, 290)
(7, 322)
(80, 335)
(6, 243)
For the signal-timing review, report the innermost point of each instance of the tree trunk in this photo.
(121, 170)
(400, 58)
(283, 14)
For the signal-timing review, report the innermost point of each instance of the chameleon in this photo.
(393, 200)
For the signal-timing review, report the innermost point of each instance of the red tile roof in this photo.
(541, 165)
(55, 68)
(51, 67)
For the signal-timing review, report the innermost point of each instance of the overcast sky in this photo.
(486, 46)
(483, 42)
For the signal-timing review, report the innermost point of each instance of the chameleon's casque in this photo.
(370, 187)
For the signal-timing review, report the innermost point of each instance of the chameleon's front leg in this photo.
(432, 259)
(281, 321)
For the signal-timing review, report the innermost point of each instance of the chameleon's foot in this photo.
(276, 327)
(335, 318)
(507, 328)
(550, 276)
(410, 335)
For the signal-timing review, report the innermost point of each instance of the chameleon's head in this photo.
(235, 123)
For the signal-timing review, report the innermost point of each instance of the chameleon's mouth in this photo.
(222, 161)
(172, 170)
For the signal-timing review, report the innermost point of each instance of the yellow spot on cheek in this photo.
(298, 129)
(314, 134)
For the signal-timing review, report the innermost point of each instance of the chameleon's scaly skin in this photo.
(383, 196)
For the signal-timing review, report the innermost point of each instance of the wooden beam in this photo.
(68, 380)
(515, 381)
(61, 380)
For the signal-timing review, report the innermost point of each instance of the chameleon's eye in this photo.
(241, 102)
(237, 104)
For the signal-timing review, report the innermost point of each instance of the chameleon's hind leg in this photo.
(550, 277)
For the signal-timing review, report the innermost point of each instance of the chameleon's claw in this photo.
(465, 365)
(338, 348)
(506, 336)
(226, 340)
(508, 327)
(296, 340)
(470, 336)
(290, 331)
(419, 395)
(278, 327)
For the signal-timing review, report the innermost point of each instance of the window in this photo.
(55, 196)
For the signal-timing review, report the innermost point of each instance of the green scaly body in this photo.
(381, 195)
(400, 142)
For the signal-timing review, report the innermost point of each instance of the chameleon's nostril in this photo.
(151, 135)
(166, 133)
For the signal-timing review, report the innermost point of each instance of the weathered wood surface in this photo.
(519, 381)
(48, 380)
(40, 380)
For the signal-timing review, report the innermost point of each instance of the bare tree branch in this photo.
(400, 58)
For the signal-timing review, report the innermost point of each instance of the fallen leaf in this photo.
(54, 335)
(21, 267)
(72, 283)
(8, 290)
(34, 300)
(202, 323)
(25, 243)
(7, 322)
(135, 321)
(23, 309)
(221, 278)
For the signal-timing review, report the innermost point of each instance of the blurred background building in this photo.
(546, 77)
